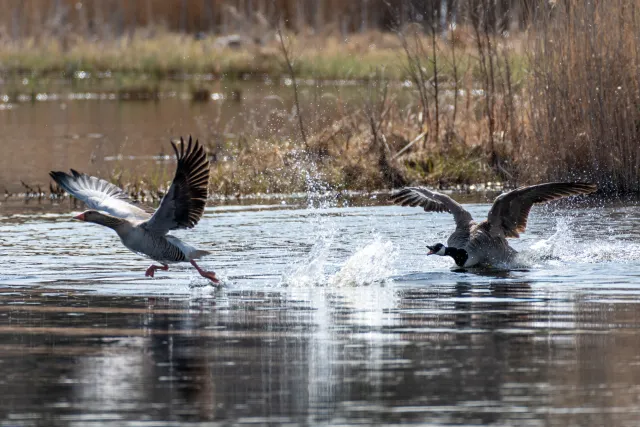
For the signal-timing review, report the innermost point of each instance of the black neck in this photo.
(460, 256)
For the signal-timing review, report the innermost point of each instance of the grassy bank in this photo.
(158, 54)
(481, 112)
(559, 102)
(378, 143)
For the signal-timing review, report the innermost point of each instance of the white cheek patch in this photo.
(441, 251)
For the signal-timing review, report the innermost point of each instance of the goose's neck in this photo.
(108, 221)
(460, 256)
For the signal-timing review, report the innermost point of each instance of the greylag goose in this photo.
(485, 243)
(140, 231)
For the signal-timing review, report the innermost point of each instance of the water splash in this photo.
(565, 247)
(310, 271)
(547, 251)
(320, 194)
(369, 265)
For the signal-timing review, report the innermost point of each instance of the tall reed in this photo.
(584, 95)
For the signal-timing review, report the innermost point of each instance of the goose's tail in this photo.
(198, 253)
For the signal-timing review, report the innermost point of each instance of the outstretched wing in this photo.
(99, 194)
(432, 201)
(509, 213)
(183, 205)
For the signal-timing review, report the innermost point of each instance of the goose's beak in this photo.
(79, 217)
(431, 250)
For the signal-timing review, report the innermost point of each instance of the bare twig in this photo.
(417, 73)
(481, 29)
(406, 147)
(454, 64)
(436, 92)
(287, 57)
(376, 109)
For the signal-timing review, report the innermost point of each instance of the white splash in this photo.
(371, 264)
(564, 246)
(310, 271)
(368, 265)
(550, 250)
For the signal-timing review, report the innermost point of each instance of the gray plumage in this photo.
(99, 194)
(485, 242)
(140, 230)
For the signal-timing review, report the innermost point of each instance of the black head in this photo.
(437, 249)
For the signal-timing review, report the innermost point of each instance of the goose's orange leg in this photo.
(152, 269)
(208, 274)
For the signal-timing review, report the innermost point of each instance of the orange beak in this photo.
(79, 217)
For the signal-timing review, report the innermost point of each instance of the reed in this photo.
(569, 111)
(364, 149)
(465, 90)
(557, 102)
(583, 95)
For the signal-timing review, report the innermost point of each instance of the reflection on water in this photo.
(328, 316)
(100, 136)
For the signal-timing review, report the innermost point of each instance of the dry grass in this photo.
(156, 54)
(482, 110)
(583, 106)
(369, 146)
(365, 149)
(159, 54)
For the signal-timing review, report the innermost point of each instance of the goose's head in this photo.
(437, 249)
(90, 216)
(99, 218)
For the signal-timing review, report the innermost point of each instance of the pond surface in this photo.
(328, 316)
(95, 133)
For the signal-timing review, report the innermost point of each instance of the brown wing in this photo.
(183, 205)
(432, 201)
(509, 213)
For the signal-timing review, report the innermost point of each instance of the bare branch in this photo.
(287, 57)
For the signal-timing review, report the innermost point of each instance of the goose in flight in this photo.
(485, 243)
(141, 231)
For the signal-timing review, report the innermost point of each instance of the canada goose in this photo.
(139, 230)
(485, 243)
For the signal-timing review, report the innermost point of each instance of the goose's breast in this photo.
(152, 245)
(138, 240)
(484, 248)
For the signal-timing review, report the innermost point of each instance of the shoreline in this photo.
(165, 56)
(32, 204)
(25, 205)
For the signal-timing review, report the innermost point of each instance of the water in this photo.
(328, 316)
(93, 133)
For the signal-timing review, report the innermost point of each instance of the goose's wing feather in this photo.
(183, 205)
(101, 195)
(432, 201)
(509, 213)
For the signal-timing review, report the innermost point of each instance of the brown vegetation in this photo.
(480, 111)
(574, 114)
(584, 95)
(103, 19)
